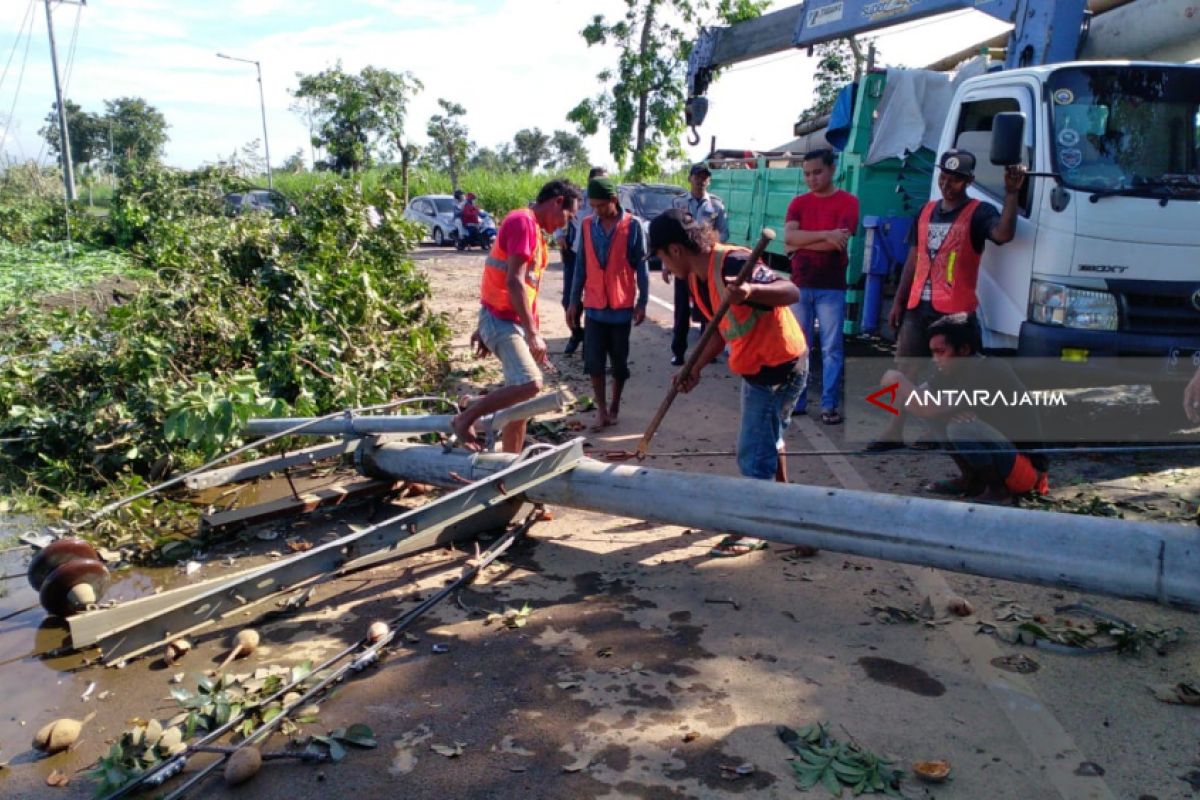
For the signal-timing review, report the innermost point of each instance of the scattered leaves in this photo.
(838, 765)
(449, 751)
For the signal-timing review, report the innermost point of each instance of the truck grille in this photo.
(1168, 311)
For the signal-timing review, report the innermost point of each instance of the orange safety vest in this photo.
(757, 338)
(493, 291)
(955, 270)
(614, 284)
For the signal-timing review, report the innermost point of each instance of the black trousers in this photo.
(684, 314)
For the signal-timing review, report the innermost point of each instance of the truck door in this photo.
(1005, 272)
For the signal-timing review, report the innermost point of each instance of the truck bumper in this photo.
(1071, 357)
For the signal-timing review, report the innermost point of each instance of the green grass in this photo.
(30, 271)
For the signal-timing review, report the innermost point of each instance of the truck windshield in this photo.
(1127, 129)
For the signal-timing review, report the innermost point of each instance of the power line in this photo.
(20, 81)
(17, 41)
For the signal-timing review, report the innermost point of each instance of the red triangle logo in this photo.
(875, 398)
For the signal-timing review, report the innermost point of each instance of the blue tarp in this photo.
(842, 117)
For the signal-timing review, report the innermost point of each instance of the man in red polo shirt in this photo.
(818, 230)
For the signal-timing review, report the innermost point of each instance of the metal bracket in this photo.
(132, 628)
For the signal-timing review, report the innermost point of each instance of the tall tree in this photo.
(532, 148)
(294, 163)
(838, 63)
(88, 132)
(139, 133)
(569, 150)
(500, 159)
(356, 119)
(449, 142)
(642, 100)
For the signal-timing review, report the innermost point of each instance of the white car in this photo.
(436, 213)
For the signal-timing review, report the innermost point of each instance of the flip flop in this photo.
(947, 487)
(831, 417)
(733, 546)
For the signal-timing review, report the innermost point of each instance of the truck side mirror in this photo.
(1008, 138)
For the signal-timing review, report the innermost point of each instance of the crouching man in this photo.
(766, 346)
(979, 437)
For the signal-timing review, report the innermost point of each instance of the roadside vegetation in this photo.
(231, 317)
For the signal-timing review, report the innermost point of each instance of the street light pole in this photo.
(263, 105)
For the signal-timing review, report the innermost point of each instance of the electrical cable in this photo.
(16, 42)
(20, 80)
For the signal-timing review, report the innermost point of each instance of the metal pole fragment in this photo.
(404, 423)
(1140, 560)
(268, 465)
(130, 629)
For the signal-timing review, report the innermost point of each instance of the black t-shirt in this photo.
(1019, 421)
(772, 375)
(982, 221)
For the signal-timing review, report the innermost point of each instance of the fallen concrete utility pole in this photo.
(405, 423)
(1145, 561)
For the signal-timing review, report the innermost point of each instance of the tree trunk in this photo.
(644, 94)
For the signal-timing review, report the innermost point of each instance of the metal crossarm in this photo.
(132, 628)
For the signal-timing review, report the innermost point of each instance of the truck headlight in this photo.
(1056, 304)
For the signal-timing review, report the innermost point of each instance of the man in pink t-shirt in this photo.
(817, 231)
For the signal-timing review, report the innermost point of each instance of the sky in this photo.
(512, 64)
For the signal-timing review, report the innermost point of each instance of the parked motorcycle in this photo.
(481, 235)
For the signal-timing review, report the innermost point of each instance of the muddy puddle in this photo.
(37, 683)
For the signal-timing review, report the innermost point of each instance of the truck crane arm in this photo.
(1045, 31)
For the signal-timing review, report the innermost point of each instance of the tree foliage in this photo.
(139, 133)
(245, 316)
(356, 119)
(569, 151)
(87, 130)
(838, 63)
(532, 148)
(449, 140)
(641, 102)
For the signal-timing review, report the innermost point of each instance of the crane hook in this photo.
(694, 137)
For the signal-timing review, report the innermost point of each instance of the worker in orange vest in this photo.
(942, 269)
(766, 346)
(508, 319)
(614, 287)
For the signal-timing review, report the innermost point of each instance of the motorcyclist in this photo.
(470, 215)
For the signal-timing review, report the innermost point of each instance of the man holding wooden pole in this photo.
(766, 346)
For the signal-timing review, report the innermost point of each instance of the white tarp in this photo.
(913, 109)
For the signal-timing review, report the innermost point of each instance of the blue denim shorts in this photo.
(766, 411)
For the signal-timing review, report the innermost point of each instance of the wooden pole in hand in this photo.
(764, 240)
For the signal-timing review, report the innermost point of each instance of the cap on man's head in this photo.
(603, 188)
(670, 227)
(958, 162)
(698, 168)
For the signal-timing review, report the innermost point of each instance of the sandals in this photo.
(832, 417)
(732, 546)
(948, 487)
